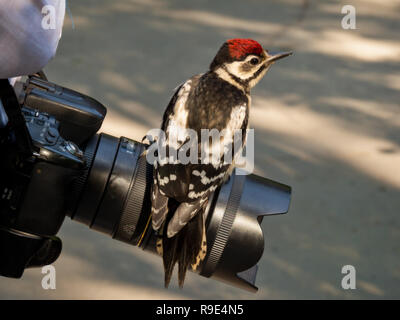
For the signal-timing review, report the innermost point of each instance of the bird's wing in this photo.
(173, 177)
(165, 174)
(159, 206)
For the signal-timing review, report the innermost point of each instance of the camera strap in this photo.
(16, 121)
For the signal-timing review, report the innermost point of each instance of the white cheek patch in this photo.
(224, 75)
(235, 69)
(253, 82)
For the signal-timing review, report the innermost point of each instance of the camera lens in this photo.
(114, 189)
(113, 197)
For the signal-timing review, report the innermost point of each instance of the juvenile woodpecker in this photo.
(218, 99)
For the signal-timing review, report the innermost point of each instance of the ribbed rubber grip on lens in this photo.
(134, 202)
(225, 227)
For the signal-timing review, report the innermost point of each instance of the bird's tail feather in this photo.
(184, 248)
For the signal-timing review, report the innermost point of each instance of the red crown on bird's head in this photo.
(239, 48)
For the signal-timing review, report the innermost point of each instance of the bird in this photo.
(218, 99)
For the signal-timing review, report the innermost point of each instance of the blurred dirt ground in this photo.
(326, 121)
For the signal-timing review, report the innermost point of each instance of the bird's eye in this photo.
(254, 61)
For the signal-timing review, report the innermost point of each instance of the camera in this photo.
(54, 164)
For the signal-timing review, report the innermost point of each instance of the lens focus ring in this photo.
(134, 206)
(224, 229)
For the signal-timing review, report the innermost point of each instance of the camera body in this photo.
(54, 164)
(35, 187)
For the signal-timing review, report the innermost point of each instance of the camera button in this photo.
(72, 148)
(52, 132)
(39, 122)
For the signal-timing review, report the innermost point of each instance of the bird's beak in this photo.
(272, 57)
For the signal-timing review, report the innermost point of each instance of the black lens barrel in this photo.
(99, 173)
(112, 199)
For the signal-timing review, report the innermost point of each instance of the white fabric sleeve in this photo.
(29, 34)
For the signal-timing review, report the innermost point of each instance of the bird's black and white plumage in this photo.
(218, 99)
